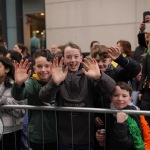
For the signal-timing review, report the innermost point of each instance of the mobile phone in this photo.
(102, 131)
(144, 14)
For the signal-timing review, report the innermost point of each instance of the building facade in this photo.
(79, 21)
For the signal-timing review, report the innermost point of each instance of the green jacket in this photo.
(41, 124)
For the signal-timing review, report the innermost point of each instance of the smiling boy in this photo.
(119, 134)
(75, 86)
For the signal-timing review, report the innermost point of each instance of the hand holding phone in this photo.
(100, 136)
(146, 17)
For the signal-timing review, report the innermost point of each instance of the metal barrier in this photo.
(74, 109)
(78, 109)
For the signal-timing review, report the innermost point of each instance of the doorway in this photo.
(37, 24)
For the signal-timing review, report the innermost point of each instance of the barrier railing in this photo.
(78, 109)
(74, 109)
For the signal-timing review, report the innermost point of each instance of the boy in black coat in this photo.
(119, 134)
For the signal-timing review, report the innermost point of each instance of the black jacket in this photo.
(139, 51)
(141, 40)
(77, 90)
(145, 73)
(126, 71)
(118, 136)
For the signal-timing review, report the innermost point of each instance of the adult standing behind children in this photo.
(74, 86)
(41, 124)
(144, 41)
(144, 87)
(93, 44)
(34, 43)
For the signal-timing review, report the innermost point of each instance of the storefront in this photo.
(18, 20)
(34, 21)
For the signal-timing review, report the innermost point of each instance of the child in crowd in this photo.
(126, 71)
(75, 86)
(128, 68)
(122, 131)
(11, 119)
(3, 51)
(14, 56)
(41, 124)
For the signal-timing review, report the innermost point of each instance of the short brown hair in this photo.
(100, 50)
(44, 53)
(124, 86)
(72, 45)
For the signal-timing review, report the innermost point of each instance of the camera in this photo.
(144, 14)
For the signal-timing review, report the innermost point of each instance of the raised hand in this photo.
(58, 74)
(21, 71)
(91, 68)
(114, 52)
(121, 117)
(142, 27)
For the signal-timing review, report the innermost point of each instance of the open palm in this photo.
(21, 71)
(114, 52)
(91, 68)
(58, 74)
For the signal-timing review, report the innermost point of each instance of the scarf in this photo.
(136, 133)
(36, 77)
(146, 132)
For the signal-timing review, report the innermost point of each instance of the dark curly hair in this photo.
(44, 53)
(10, 75)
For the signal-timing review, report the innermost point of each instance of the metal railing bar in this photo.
(78, 109)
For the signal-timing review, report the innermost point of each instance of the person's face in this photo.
(103, 63)
(54, 49)
(42, 68)
(3, 71)
(96, 43)
(72, 58)
(8, 55)
(16, 48)
(120, 98)
(120, 47)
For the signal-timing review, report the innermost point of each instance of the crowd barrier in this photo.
(73, 109)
